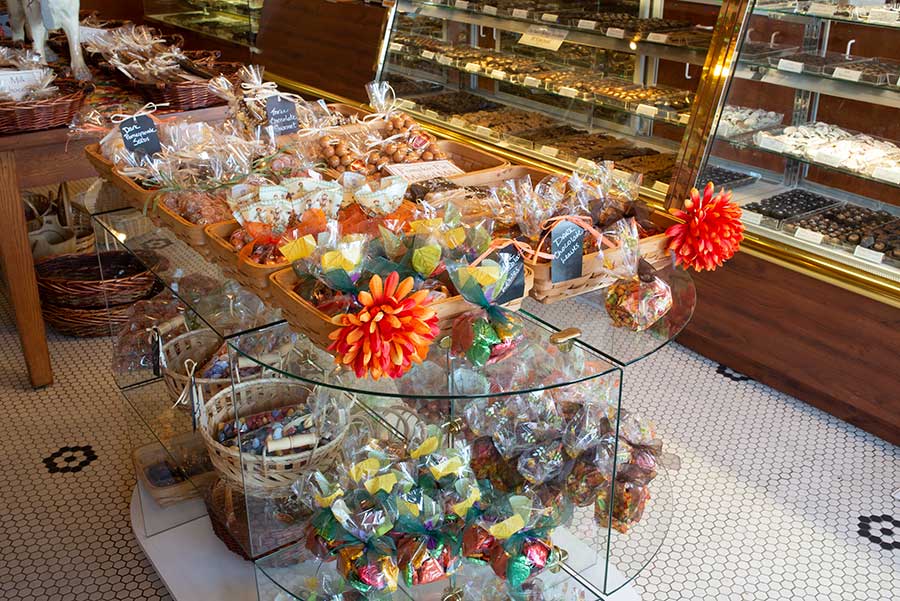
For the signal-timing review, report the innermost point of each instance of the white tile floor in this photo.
(769, 503)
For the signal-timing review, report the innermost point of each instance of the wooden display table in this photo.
(29, 160)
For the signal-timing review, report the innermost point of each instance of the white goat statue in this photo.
(42, 16)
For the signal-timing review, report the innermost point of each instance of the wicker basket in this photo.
(199, 346)
(189, 233)
(34, 115)
(261, 475)
(315, 325)
(78, 280)
(90, 322)
(256, 276)
(188, 95)
(220, 249)
(138, 197)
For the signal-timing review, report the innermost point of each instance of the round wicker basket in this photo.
(262, 475)
(199, 346)
(47, 113)
(79, 280)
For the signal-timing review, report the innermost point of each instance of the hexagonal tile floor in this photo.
(773, 499)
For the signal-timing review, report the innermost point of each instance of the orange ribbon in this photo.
(524, 249)
(581, 221)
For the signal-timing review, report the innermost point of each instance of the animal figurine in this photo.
(42, 16)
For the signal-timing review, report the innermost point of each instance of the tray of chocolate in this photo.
(775, 210)
(725, 177)
(449, 103)
(878, 71)
(755, 51)
(573, 84)
(506, 120)
(844, 226)
(884, 239)
(811, 63)
(655, 167)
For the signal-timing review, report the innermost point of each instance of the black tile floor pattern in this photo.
(766, 505)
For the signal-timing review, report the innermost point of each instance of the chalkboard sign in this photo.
(567, 246)
(282, 115)
(140, 134)
(512, 264)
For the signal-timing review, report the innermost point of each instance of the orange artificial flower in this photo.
(711, 233)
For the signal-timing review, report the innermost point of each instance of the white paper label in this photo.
(497, 74)
(882, 15)
(549, 18)
(684, 117)
(586, 164)
(457, 122)
(444, 60)
(822, 9)
(888, 174)
(567, 92)
(660, 186)
(473, 67)
(487, 132)
(770, 143)
(658, 38)
(848, 74)
(647, 110)
(615, 32)
(395, 47)
(531, 82)
(751, 217)
(792, 66)
(406, 104)
(416, 172)
(827, 158)
(462, 5)
(489, 10)
(550, 151)
(547, 38)
(520, 13)
(586, 24)
(18, 83)
(810, 236)
(868, 254)
(428, 55)
(431, 114)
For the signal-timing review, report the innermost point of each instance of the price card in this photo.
(827, 158)
(473, 67)
(549, 18)
(868, 254)
(487, 132)
(583, 163)
(615, 32)
(282, 115)
(660, 186)
(770, 143)
(684, 117)
(519, 13)
(810, 236)
(140, 134)
(406, 104)
(444, 60)
(457, 122)
(417, 172)
(848, 74)
(462, 5)
(751, 217)
(395, 47)
(547, 38)
(882, 15)
(498, 74)
(567, 246)
(550, 151)
(428, 55)
(586, 24)
(531, 82)
(888, 174)
(17, 83)
(821, 9)
(658, 38)
(647, 110)
(489, 10)
(567, 92)
(512, 264)
(792, 66)
(432, 114)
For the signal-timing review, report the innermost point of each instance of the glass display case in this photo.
(561, 82)
(808, 135)
(235, 21)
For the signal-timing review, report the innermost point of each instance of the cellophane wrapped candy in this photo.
(637, 299)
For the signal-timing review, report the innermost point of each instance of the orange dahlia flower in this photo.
(393, 330)
(711, 233)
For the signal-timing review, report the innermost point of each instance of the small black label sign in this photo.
(282, 115)
(512, 264)
(140, 134)
(567, 244)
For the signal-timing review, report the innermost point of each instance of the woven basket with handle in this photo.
(262, 475)
(47, 113)
(78, 280)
